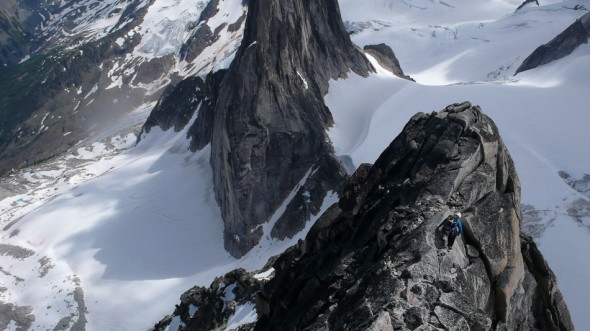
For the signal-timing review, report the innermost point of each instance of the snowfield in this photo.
(110, 235)
(116, 237)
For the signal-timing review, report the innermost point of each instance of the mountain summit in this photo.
(375, 260)
(257, 108)
(270, 118)
(266, 119)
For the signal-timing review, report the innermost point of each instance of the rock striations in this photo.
(266, 118)
(270, 119)
(375, 262)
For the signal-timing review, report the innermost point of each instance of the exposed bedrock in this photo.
(269, 119)
(374, 261)
(561, 46)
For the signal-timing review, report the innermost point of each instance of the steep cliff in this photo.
(375, 262)
(269, 118)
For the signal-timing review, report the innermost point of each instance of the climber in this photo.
(451, 227)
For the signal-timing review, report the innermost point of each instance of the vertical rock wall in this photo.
(270, 119)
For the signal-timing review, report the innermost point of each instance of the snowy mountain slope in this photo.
(98, 60)
(72, 23)
(118, 235)
(448, 44)
(107, 230)
(542, 114)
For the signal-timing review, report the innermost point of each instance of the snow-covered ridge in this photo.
(87, 20)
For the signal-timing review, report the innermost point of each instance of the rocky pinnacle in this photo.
(269, 119)
(374, 261)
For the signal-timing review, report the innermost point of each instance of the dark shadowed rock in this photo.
(374, 261)
(270, 118)
(179, 103)
(562, 45)
(19, 317)
(386, 58)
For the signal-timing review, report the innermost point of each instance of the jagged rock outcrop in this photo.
(375, 262)
(211, 308)
(386, 58)
(527, 2)
(562, 45)
(179, 102)
(269, 118)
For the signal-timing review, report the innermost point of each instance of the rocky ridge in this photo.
(374, 261)
(211, 308)
(266, 120)
(562, 45)
(270, 118)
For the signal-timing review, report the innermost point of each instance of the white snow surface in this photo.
(244, 314)
(164, 28)
(135, 226)
(130, 226)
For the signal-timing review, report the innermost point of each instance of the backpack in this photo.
(451, 226)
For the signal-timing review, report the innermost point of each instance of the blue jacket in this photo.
(459, 226)
(452, 223)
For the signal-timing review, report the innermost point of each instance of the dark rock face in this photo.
(179, 102)
(20, 315)
(177, 105)
(202, 36)
(386, 58)
(269, 119)
(374, 261)
(560, 46)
